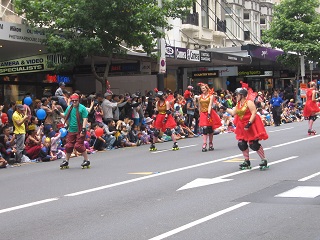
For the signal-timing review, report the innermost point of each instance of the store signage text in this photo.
(20, 33)
(205, 56)
(57, 79)
(248, 73)
(193, 55)
(19, 69)
(208, 74)
(29, 64)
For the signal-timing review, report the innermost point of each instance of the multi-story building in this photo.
(210, 42)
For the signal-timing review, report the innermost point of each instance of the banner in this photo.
(20, 33)
(35, 63)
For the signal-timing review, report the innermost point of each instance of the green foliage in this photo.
(295, 28)
(80, 28)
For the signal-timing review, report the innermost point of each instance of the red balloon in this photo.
(4, 118)
(98, 132)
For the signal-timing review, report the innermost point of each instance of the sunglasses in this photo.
(74, 100)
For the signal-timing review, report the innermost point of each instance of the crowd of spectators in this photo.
(126, 120)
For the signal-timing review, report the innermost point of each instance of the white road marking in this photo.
(199, 221)
(166, 150)
(301, 192)
(283, 129)
(309, 177)
(155, 175)
(28, 205)
(199, 182)
(149, 176)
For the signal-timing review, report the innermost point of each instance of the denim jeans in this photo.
(110, 139)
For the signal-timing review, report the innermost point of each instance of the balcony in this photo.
(191, 22)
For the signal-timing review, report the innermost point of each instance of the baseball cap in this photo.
(20, 106)
(107, 94)
(62, 84)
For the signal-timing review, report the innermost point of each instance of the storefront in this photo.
(29, 76)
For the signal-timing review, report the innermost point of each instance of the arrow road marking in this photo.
(200, 182)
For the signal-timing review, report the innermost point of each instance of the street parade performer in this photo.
(164, 121)
(311, 109)
(249, 127)
(209, 119)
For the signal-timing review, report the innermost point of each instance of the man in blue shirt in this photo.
(276, 108)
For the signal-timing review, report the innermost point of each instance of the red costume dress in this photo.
(256, 131)
(32, 149)
(159, 124)
(311, 107)
(214, 120)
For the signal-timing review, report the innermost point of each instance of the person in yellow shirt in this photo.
(19, 118)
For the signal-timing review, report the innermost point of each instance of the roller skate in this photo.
(311, 132)
(204, 147)
(211, 148)
(175, 146)
(85, 164)
(64, 164)
(264, 164)
(152, 148)
(245, 165)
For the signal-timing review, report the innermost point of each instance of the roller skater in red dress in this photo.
(164, 121)
(311, 109)
(209, 119)
(249, 128)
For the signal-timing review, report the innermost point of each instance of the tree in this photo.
(295, 27)
(78, 28)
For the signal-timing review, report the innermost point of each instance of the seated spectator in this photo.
(99, 143)
(125, 142)
(55, 143)
(33, 143)
(45, 154)
(8, 141)
(144, 136)
(134, 135)
(3, 162)
(110, 131)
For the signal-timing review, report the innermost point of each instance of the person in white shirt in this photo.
(107, 106)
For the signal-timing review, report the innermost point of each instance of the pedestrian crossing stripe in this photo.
(301, 192)
(237, 160)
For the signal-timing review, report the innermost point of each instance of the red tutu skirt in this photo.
(214, 121)
(255, 131)
(310, 109)
(170, 123)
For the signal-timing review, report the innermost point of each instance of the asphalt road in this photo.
(133, 194)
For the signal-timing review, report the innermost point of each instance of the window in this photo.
(246, 16)
(228, 10)
(205, 13)
(247, 35)
(262, 21)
